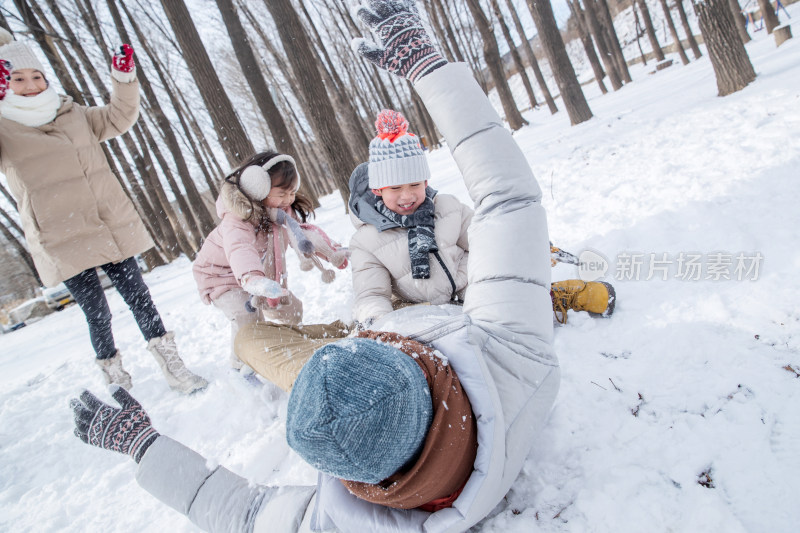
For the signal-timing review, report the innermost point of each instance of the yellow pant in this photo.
(278, 352)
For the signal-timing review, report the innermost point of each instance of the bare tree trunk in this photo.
(149, 203)
(193, 239)
(155, 225)
(613, 40)
(770, 18)
(447, 26)
(198, 219)
(588, 47)
(674, 32)
(438, 28)
(639, 31)
(732, 65)
(359, 142)
(602, 44)
(231, 134)
(526, 47)
(164, 208)
(571, 93)
(491, 54)
(651, 31)
(688, 29)
(260, 91)
(467, 36)
(171, 93)
(320, 111)
(526, 82)
(739, 19)
(23, 252)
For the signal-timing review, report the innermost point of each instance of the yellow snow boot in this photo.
(596, 297)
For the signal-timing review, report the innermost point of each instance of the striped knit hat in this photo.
(395, 155)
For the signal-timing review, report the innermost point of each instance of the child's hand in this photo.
(265, 287)
(123, 59)
(404, 48)
(260, 302)
(5, 76)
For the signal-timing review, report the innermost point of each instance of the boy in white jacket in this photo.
(410, 243)
(499, 343)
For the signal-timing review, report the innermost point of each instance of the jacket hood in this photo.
(66, 104)
(361, 206)
(232, 200)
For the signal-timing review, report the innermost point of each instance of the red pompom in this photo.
(391, 124)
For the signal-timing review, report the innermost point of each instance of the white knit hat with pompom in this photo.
(18, 54)
(395, 156)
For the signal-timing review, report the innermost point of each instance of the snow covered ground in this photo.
(680, 413)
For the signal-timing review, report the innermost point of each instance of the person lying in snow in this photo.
(429, 388)
(411, 244)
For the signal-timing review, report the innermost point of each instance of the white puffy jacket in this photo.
(500, 344)
(382, 265)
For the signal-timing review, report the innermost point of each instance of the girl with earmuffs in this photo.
(242, 260)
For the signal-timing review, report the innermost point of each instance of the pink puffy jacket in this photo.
(235, 247)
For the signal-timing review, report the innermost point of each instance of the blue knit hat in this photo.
(359, 410)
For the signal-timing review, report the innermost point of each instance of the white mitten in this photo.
(262, 286)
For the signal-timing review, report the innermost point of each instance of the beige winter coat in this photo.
(382, 265)
(74, 212)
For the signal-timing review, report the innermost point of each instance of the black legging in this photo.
(91, 298)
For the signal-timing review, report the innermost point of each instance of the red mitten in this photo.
(123, 59)
(5, 77)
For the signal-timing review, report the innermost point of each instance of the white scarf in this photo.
(33, 111)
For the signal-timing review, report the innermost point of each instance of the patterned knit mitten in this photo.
(125, 430)
(406, 48)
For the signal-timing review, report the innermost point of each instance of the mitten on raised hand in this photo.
(5, 77)
(263, 286)
(126, 429)
(405, 48)
(123, 67)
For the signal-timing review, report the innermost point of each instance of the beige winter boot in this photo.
(113, 371)
(178, 376)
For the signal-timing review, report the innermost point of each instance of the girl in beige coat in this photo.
(74, 212)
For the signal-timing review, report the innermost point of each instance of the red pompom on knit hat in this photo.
(391, 124)
(395, 155)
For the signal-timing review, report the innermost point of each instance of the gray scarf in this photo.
(421, 239)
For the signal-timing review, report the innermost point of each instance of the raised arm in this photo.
(509, 272)
(213, 498)
(117, 117)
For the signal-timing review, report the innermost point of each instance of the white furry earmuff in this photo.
(255, 181)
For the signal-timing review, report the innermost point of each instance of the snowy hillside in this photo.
(679, 413)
